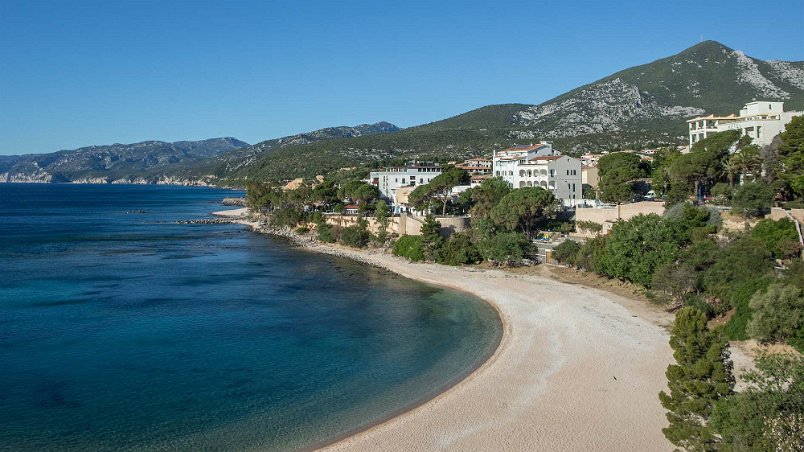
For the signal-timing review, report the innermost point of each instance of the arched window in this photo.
(521, 173)
(530, 184)
(521, 184)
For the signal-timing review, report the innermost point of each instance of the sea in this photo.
(124, 328)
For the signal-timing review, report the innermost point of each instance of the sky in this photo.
(78, 73)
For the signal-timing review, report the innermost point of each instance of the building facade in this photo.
(476, 166)
(541, 166)
(411, 175)
(760, 120)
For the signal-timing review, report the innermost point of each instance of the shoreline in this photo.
(576, 367)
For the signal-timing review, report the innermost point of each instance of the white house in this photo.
(760, 120)
(410, 175)
(541, 166)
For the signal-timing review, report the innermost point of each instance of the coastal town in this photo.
(638, 217)
(408, 226)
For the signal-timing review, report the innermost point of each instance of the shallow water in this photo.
(121, 329)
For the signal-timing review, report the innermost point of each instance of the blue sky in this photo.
(97, 72)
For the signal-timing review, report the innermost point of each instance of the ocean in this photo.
(123, 329)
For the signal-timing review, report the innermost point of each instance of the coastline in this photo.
(576, 368)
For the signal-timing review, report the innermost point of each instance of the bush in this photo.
(780, 237)
(752, 200)
(741, 295)
(778, 313)
(567, 252)
(302, 230)
(509, 248)
(722, 193)
(590, 253)
(355, 236)
(409, 246)
(326, 233)
(459, 250)
(589, 226)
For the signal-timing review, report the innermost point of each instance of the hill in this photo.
(144, 162)
(641, 106)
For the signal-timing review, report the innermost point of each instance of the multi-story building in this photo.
(760, 120)
(541, 166)
(476, 166)
(410, 175)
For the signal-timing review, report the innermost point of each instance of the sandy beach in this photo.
(577, 369)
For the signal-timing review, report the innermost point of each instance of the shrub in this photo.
(302, 230)
(741, 295)
(778, 313)
(459, 250)
(780, 237)
(752, 200)
(590, 253)
(589, 226)
(722, 193)
(567, 252)
(326, 233)
(409, 246)
(509, 248)
(355, 236)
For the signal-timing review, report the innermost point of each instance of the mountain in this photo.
(230, 162)
(645, 105)
(145, 162)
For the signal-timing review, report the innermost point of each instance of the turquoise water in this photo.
(120, 329)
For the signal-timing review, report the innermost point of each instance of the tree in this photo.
(768, 415)
(700, 377)
(432, 241)
(791, 155)
(521, 208)
(745, 162)
(704, 164)
(486, 196)
(459, 250)
(778, 313)
(381, 215)
(359, 192)
(507, 248)
(619, 172)
(439, 188)
(780, 237)
(567, 252)
(753, 199)
(635, 248)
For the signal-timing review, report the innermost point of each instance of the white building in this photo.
(411, 175)
(541, 166)
(476, 166)
(760, 120)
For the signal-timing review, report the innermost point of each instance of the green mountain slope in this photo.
(645, 105)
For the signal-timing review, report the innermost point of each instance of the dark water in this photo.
(120, 330)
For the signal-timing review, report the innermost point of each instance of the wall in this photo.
(606, 216)
(405, 224)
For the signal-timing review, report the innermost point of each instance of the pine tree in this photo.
(432, 240)
(701, 376)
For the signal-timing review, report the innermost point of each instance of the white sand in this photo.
(577, 369)
(241, 212)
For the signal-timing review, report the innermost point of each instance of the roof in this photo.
(526, 147)
(546, 157)
(350, 206)
(731, 116)
(481, 177)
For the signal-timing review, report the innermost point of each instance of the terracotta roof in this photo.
(481, 177)
(350, 206)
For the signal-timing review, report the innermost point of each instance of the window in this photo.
(403, 181)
